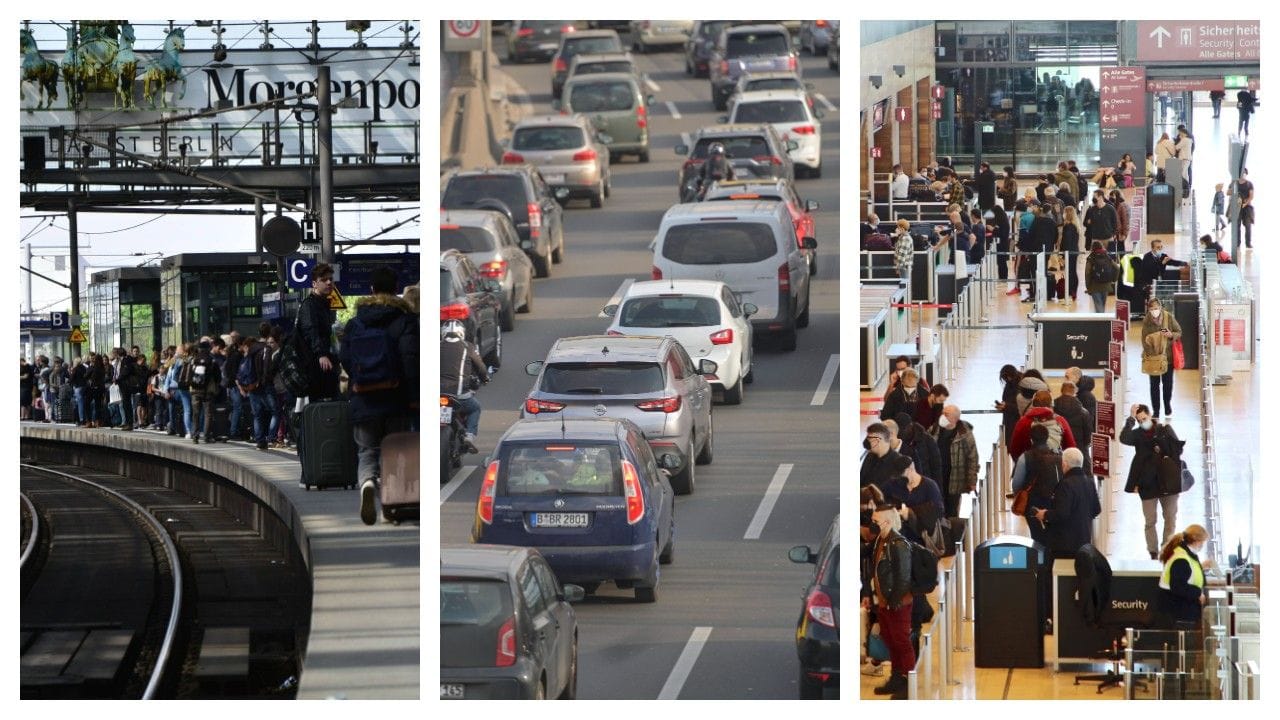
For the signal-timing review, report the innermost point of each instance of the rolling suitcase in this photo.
(329, 450)
(220, 422)
(65, 412)
(398, 486)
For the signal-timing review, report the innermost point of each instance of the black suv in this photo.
(818, 630)
(473, 300)
(520, 193)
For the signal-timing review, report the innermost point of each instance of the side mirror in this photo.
(610, 310)
(526, 244)
(792, 146)
(667, 461)
(749, 309)
(555, 104)
(707, 367)
(811, 205)
(818, 114)
(809, 243)
(801, 554)
(572, 593)
(492, 285)
(648, 99)
(561, 193)
(505, 142)
(722, 119)
(682, 149)
(605, 138)
(533, 368)
(808, 86)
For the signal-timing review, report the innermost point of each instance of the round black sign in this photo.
(281, 235)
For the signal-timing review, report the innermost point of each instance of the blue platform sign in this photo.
(60, 321)
(356, 277)
(297, 272)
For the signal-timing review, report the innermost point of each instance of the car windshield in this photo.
(615, 378)
(560, 468)
(466, 190)
(466, 239)
(471, 613)
(748, 44)
(604, 66)
(782, 83)
(548, 138)
(581, 46)
(719, 243)
(770, 111)
(669, 312)
(745, 146)
(601, 96)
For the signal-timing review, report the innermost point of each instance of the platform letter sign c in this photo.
(300, 273)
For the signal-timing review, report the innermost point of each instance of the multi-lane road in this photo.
(724, 623)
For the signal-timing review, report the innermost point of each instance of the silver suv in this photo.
(650, 381)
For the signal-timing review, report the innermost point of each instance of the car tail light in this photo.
(524, 32)
(820, 23)
(455, 311)
(641, 117)
(511, 158)
(818, 607)
(745, 196)
(784, 278)
(771, 159)
(535, 220)
(494, 269)
(724, 337)
(566, 28)
(561, 65)
(535, 407)
(724, 67)
(587, 155)
(506, 655)
(484, 503)
(804, 130)
(631, 489)
(791, 63)
(448, 226)
(655, 273)
(667, 404)
(614, 333)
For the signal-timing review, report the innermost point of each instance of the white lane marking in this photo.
(652, 85)
(768, 501)
(684, 664)
(684, 138)
(456, 482)
(828, 377)
(617, 296)
(671, 106)
(825, 102)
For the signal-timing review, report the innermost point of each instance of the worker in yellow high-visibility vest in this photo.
(1183, 576)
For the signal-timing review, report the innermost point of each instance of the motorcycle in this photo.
(692, 190)
(452, 430)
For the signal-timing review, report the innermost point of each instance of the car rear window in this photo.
(593, 68)
(446, 287)
(466, 239)
(772, 84)
(713, 28)
(471, 613)
(464, 191)
(719, 243)
(748, 44)
(669, 312)
(831, 573)
(579, 46)
(743, 146)
(601, 96)
(770, 111)
(560, 468)
(548, 138)
(613, 378)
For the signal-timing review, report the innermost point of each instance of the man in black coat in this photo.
(1042, 237)
(1153, 263)
(315, 323)
(1077, 417)
(878, 466)
(916, 443)
(1075, 505)
(984, 182)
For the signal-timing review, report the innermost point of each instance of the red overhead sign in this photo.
(1199, 40)
(1100, 447)
(939, 92)
(1123, 97)
(1177, 85)
(877, 152)
(902, 114)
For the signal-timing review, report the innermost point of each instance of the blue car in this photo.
(588, 494)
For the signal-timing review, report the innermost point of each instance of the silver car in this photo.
(489, 239)
(650, 381)
(596, 63)
(647, 33)
(568, 151)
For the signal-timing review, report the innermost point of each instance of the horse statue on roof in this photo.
(38, 70)
(125, 69)
(165, 69)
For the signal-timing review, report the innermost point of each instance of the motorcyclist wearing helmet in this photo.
(716, 167)
(459, 363)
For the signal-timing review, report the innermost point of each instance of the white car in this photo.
(788, 111)
(704, 316)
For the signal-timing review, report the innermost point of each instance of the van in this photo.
(616, 105)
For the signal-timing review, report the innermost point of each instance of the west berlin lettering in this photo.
(384, 94)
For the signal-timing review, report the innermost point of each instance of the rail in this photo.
(30, 547)
(175, 562)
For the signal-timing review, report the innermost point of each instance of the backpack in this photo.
(249, 374)
(374, 357)
(1102, 272)
(924, 568)
(1055, 432)
(185, 373)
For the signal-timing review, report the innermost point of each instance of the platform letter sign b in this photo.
(58, 321)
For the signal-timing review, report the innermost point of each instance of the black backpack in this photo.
(924, 568)
(1102, 271)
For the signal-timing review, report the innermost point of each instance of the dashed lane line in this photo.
(768, 501)
(456, 482)
(671, 107)
(825, 102)
(617, 296)
(684, 664)
(828, 377)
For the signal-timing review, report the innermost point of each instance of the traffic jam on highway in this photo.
(649, 281)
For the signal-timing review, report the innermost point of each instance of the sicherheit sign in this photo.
(1199, 40)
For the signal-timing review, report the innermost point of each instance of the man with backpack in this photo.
(1100, 273)
(124, 376)
(1041, 413)
(380, 354)
(252, 385)
(890, 590)
(204, 381)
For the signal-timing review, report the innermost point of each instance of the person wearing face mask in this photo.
(959, 453)
(1151, 440)
(915, 442)
(878, 463)
(920, 495)
(1182, 579)
(908, 397)
(1152, 265)
(1031, 383)
(1159, 330)
(1069, 408)
(1069, 518)
(928, 413)
(900, 365)
(868, 533)
(889, 592)
(1008, 402)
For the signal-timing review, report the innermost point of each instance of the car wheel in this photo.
(541, 266)
(750, 377)
(644, 156)
(688, 66)
(813, 264)
(446, 463)
(648, 591)
(684, 482)
(668, 554)
(708, 450)
(608, 185)
(720, 103)
(802, 320)
(557, 252)
(570, 691)
(494, 358)
(528, 299)
(787, 339)
(507, 320)
(733, 395)
(831, 61)
(810, 689)
(597, 197)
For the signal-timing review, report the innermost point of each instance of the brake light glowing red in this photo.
(641, 115)
(511, 158)
(820, 23)
(655, 273)
(804, 130)
(561, 65)
(506, 655)
(724, 67)
(484, 503)
(791, 63)
(667, 404)
(771, 159)
(524, 32)
(535, 220)
(784, 278)
(448, 227)
(494, 269)
(534, 407)
(587, 155)
(724, 337)
(566, 28)
(614, 333)
(455, 311)
(818, 607)
(631, 489)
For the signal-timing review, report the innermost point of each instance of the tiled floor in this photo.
(1237, 437)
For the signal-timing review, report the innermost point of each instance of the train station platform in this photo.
(365, 637)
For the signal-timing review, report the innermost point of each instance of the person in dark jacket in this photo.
(915, 442)
(315, 323)
(1084, 393)
(890, 592)
(1152, 265)
(1152, 442)
(1182, 579)
(1097, 291)
(205, 385)
(1069, 408)
(985, 183)
(1008, 402)
(1069, 518)
(1101, 221)
(79, 383)
(921, 496)
(230, 367)
(908, 397)
(387, 406)
(253, 368)
(1043, 237)
(879, 461)
(998, 228)
(1039, 468)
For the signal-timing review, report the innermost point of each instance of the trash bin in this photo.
(1161, 204)
(1008, 621)
(1186, 310)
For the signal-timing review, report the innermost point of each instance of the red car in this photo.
(774, 189)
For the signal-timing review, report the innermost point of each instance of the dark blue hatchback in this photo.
(588, 494)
